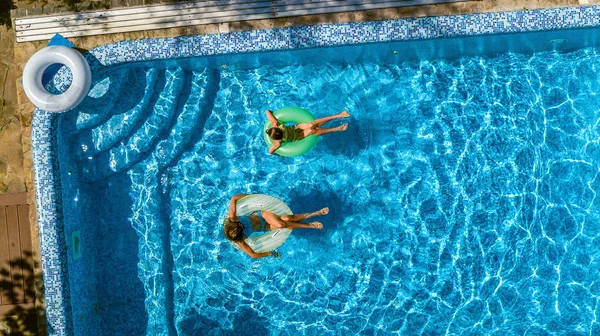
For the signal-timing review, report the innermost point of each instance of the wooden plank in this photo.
(14, 253)
(199, 19)
(4, 258)
(26, 253)
(13, 199)
(238, 8)
(128, 11)
(141, 13)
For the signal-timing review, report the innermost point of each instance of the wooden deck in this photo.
(131, 19)
(17, 295)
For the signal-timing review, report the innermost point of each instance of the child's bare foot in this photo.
(342, 127)
(315, 225)
(323, 211)
(344, 114)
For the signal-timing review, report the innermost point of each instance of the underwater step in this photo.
(135, 148)
(190, 122)
(127, 116)
(99, 104)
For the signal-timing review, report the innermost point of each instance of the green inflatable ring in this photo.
(297, 115)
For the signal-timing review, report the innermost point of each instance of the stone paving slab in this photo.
(11, 155)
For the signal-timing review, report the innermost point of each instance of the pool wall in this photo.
(54, 245)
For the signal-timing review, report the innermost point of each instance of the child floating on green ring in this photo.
(307, 127)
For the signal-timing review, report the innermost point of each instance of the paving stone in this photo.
(33, 11)
(6, 39)
(9, 83)
(12, 175)
(24, 51)
(3, 166)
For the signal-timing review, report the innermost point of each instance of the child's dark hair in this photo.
(234, 230)
(275, 133)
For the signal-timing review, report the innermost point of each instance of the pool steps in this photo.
(131, 19)
(123, 124)
(132, 149)
(100, 113)
(155, 145)
(190, 122)
(118, 124)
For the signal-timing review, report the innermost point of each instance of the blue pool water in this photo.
(462, 196)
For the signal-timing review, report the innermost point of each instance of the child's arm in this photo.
(253, 254)
(272, 118)
(276, 145)
(231, 213)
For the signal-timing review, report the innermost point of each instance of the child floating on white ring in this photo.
(267, 221)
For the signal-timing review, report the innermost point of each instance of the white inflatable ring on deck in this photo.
(37, 64)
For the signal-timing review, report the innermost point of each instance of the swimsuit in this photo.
(263, 222)
(247, 223)
(290, 133)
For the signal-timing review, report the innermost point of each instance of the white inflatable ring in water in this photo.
(37, 64)
(271, 239)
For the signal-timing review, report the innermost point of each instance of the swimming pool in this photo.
(462, 196)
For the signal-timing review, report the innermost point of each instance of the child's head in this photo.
(275, 133)
(234, 230)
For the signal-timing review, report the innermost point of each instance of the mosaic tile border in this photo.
(49, 210)
(47, 181)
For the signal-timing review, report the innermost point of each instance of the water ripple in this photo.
(462, 196)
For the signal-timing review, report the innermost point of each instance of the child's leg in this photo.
(256, 225)
(298, 225)
(277, 222)
(321, 131)
(299, 217)
(322, 121)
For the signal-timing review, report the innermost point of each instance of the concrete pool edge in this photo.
(47, 182)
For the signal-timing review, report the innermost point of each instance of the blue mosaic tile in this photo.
(47, 183)
(49, 211)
